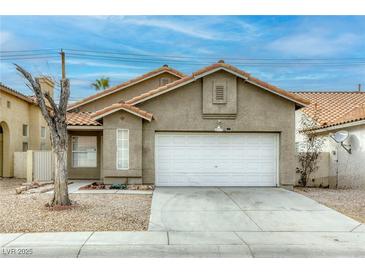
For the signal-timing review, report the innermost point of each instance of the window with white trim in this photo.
(84, 151)
(122, 149)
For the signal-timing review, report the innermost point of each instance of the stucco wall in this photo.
(321, 177)
(13, 118)
(122, 120)
(220, 110)
(258, 111)
(127, 93)
(84, 172)
(350, 167)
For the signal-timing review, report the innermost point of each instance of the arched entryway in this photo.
(4, 150)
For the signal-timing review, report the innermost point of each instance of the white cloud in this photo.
(5, 37)
(249, 30)
(314, 44)
(190, 29)
(78, 62)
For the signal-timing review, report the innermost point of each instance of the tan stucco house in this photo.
(22, 126)
(216, 127)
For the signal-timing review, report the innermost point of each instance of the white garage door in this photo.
(216, 159)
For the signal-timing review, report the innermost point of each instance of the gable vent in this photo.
(164, 81)
(219, 93)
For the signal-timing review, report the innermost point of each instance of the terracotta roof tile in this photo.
(356, 114)
(127, 84)
(81, 119)
(117, 106)
(333, 108)
(212, 67)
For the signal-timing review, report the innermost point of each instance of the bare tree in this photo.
(55, 117)
(310, 149)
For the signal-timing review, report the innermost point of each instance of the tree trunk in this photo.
(60, 193)
(55, 116)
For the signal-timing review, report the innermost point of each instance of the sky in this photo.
(292, 52)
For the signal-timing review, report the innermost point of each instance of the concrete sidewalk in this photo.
(156, 244)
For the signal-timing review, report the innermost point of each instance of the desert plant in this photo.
(118, 186)
(310, 149)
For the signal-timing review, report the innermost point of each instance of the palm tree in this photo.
(101, 84)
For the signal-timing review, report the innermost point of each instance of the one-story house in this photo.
(334, 111)
(219, 126)
(22, 126)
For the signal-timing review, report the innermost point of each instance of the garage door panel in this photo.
(247, 159)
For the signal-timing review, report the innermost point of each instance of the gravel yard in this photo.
(101, 212)
(350, 202)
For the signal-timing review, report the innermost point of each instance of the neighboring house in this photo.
(336, 111)
(217, 127)
(22, 126)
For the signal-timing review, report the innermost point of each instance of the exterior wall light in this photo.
(219, 127)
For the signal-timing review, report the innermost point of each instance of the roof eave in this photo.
(339, 126)
(76, 105)
(98, 117)
(17, 94)
(298, 103)
(84, 127)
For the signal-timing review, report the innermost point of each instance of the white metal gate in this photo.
(42, 166)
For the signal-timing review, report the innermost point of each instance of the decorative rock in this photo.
(20, 189)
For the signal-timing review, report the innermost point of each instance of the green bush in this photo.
(118, 186)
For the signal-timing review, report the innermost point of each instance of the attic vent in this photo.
(219, 93)
(164, 81)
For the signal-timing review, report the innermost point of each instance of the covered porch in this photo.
(85, 147)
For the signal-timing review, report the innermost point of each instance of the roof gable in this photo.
(212, 69)
(139, 79)
(81, 119)
(121, 106)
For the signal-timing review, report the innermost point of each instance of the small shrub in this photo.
(118, 186)
(311, 149)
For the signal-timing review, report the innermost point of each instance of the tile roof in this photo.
(212, 68)
(122, 106)
(332, 108)
(126, 84)
(81, 119)
(356, 114)
(29, 99)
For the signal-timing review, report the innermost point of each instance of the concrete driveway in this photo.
(238, 209)
(211, 222)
